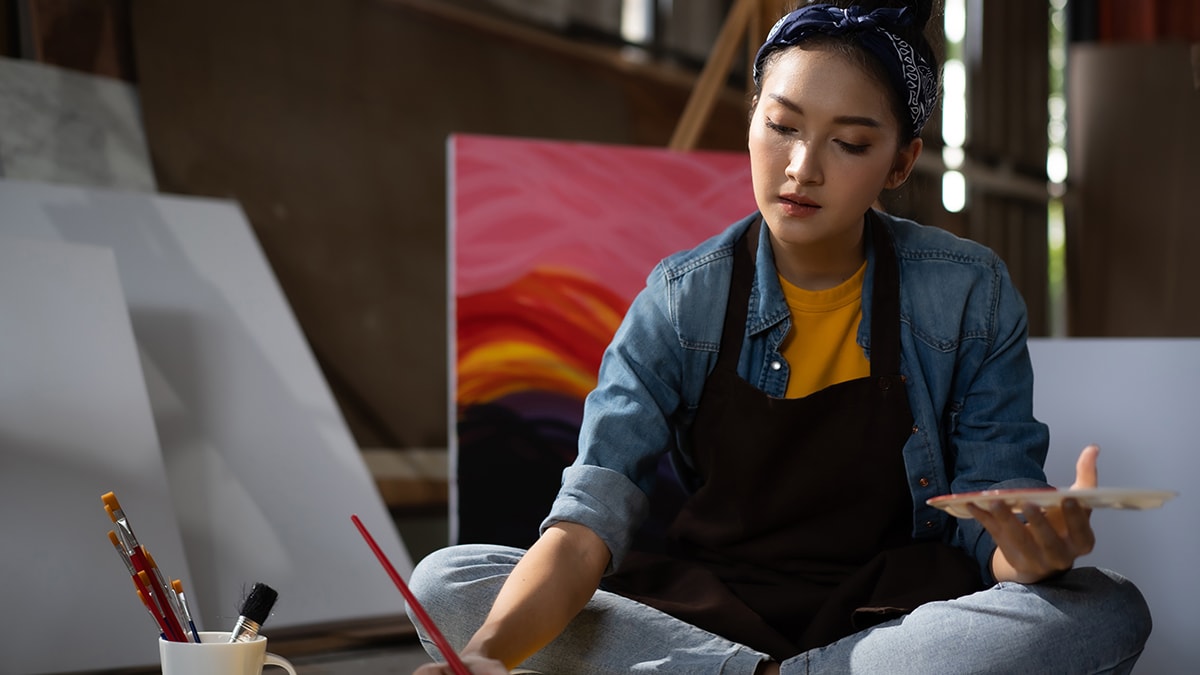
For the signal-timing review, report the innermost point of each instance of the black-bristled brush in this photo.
(254, 612)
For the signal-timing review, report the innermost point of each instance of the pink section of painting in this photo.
(608, 212)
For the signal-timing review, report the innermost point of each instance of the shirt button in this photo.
(929, 524)
(924, 482)
(775, 365)
(915, 429)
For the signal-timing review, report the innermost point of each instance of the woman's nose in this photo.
(804, 165)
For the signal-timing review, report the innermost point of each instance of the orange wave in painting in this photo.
(545, 331)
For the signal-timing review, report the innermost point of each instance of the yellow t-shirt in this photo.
(821, 348)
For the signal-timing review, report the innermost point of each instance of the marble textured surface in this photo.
(62, 126)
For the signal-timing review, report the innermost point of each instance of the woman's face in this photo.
(823, 144)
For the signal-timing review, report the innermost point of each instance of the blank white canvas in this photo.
(1136, 399)
(75, 423)
(264, 474)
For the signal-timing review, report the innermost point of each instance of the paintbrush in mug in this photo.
(254, 612)
(177, 586)
(136, 554)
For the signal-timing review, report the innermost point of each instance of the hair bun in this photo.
(922, 11)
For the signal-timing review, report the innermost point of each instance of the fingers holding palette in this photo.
(1094, 498)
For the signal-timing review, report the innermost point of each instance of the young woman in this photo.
(862, 365)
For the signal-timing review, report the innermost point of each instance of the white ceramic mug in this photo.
(215, 654)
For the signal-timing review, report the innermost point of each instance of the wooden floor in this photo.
(375, 661)
(361, 648)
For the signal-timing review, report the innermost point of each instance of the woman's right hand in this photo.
(478, 665)
(545, 590)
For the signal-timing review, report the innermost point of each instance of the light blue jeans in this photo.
(1086, 621)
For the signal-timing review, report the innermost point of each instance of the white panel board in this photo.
(263, 471)
(75, 423)
(1136, 399)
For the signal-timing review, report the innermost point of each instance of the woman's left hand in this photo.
(1049, 540)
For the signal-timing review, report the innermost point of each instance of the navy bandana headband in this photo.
(904, 65)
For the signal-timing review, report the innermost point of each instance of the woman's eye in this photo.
(777, 127)
(852, 148)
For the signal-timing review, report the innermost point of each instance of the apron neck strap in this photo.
(745, 257)
(885, 300)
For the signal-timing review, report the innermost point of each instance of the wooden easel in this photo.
(747, 19)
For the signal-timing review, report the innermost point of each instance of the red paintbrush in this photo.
(452, 659)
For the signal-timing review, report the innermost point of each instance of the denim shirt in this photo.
(963, 354)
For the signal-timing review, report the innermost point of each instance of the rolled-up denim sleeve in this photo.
(604, 501)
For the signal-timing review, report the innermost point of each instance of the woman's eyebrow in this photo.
(854, 120)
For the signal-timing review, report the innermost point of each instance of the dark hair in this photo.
(913, 34)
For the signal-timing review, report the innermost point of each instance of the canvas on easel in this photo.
(549, 243)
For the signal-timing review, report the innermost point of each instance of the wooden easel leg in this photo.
(749, 19)
(716, 69)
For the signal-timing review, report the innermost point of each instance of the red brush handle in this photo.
(144, 594)
(447, 651)
(174, 632)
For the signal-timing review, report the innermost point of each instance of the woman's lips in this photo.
(797, 206)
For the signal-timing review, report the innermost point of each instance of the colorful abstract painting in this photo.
(549, 243)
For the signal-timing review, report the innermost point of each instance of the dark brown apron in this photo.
(800, 532)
